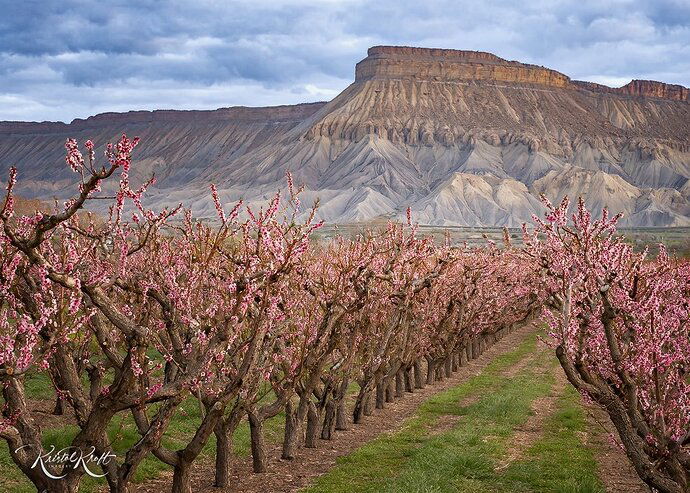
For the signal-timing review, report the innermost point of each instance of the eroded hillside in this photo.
(464, 138)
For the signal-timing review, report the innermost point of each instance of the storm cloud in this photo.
(62, 60)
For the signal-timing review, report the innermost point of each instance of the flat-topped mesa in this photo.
(421, 53)
(296, 112)
(403, 62)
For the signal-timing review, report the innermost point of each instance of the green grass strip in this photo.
(559, 461)
(463, 459)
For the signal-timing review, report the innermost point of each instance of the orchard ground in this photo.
(506, 422)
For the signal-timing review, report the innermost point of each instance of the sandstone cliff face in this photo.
(642, 88)
(463, 137)
(651, 88)
(389, 62)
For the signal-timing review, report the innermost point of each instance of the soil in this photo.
(291, 476)
(444, 423)
(42, 412)
(613, 466)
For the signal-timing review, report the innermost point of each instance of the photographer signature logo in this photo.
(71, 457)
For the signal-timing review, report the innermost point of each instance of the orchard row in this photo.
(137, 313)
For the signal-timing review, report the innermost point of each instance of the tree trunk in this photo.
(368, 405)
(418, 380)
(59, 408)
(440, 371)
(448, 365)
(399, 383)
(224, 432)
(455, 359)
(313, 418)
(632, 442)
(293, 427)
(257, 441)
(430, 371)
(358, 411)
(329, 418)
(463, 357)
(341, 423)
(380, 395)
(223, 458)
(182, 476)
(390, 389)
(468, 351)
(409, 379)
(14, 398)
(65, 485)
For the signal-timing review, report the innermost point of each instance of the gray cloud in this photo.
(60, 60)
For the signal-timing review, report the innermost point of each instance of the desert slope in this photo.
(463, 138)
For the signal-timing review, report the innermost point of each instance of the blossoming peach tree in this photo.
(620, 323)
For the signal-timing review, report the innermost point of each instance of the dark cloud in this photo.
(60, 60)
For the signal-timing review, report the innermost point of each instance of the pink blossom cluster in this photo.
(620, 322)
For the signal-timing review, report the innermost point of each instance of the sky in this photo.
(68, 59)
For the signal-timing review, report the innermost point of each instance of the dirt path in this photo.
(291, 476)
(533, 429)
(613, 466)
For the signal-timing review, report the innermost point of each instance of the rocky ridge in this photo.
(389, 62)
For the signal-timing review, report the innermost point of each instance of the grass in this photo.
(574, 469)
(464, 458)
